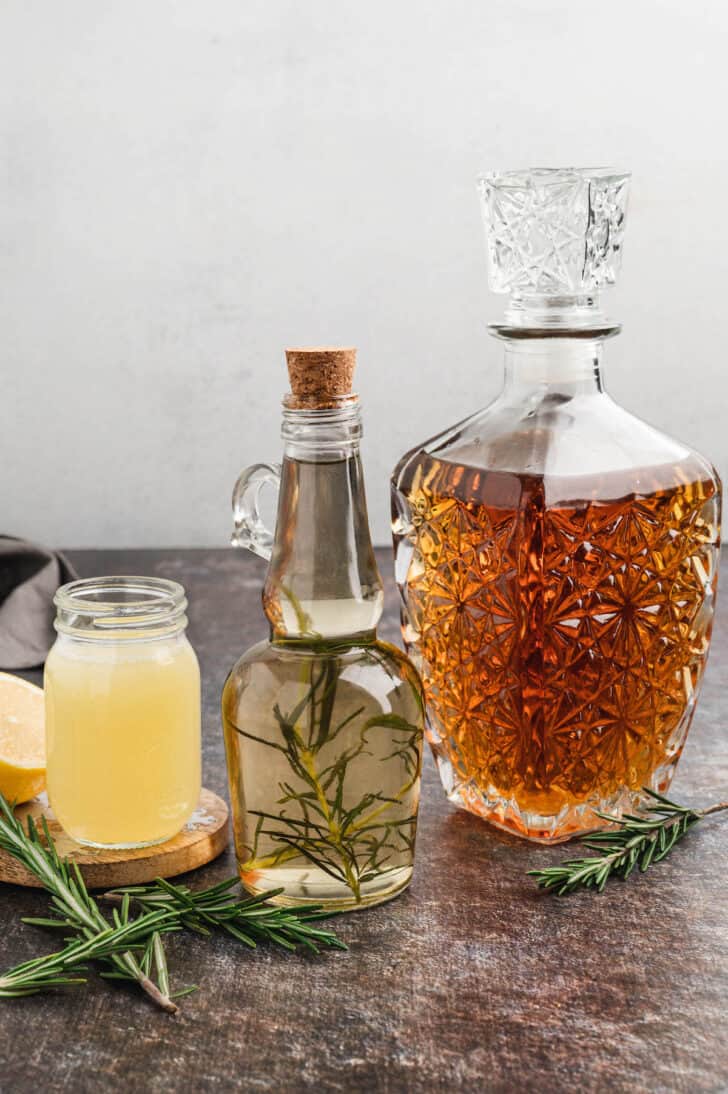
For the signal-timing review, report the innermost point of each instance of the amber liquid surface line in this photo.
(561, 627)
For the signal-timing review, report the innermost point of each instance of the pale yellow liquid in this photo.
(123, 738)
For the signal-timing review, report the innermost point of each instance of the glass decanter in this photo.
(323, 723)
(556, 556)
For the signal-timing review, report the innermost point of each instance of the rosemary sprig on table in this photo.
(251, 920)
(131, 948)
(636, 842)
(116, 944)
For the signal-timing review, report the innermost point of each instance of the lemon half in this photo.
(22, 739)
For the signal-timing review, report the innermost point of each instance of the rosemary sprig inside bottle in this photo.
(325, 813)
(131, 948)
(636, 842)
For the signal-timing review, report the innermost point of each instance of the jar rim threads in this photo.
(123, 606)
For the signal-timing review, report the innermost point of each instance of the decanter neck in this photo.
(570, 366)
(552, 315)
(322, 581)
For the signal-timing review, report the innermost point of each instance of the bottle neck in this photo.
(554, 365)
(578, 315)
(321, 435)
(554, 343)
(322, 581)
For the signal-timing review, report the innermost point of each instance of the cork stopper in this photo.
(320, 375)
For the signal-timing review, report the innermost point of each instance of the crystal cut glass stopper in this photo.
(554, 232)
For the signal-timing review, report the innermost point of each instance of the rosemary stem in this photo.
(713, 809)
(155, 994)
(163, 1001)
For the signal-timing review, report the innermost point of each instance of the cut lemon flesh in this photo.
(22, 738)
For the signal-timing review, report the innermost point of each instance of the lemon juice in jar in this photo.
(122, 688)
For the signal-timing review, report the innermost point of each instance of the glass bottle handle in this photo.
(249, 529)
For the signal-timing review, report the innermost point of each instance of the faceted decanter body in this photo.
(323, 723)
(556, 556)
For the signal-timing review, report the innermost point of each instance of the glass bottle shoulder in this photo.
(579, 446)
(373, 666)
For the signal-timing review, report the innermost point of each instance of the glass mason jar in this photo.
(557, 556)
(122, 694)
(323, 722)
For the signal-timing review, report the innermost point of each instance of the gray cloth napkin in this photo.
(29, 576)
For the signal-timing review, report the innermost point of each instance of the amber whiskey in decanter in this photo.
(556, 556)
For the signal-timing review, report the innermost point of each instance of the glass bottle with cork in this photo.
(323, 722)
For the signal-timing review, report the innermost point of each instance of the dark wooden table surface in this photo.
(470, 981)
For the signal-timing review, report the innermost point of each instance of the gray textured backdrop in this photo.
(187, 187)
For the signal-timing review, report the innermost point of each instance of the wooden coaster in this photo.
(204, 837)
